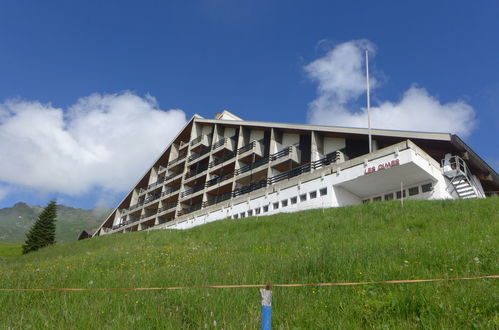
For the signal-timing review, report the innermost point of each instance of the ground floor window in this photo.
(427, 187)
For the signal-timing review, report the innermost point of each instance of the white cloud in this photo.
(3, 192)
(341, 81)
(104, 141)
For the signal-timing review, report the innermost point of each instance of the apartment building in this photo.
(228, 168)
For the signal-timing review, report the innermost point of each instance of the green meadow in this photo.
(369, 242)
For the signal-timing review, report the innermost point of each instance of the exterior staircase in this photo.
(460, 178)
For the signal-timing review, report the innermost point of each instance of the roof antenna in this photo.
(368, 104)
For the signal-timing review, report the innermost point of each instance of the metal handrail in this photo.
(196, 155)
(282, 153)
(246, 147)
(179, 158)
(222, 159)
(196, 172)
(191, 191)
(251, 166)
(170, 190)
(219, 179)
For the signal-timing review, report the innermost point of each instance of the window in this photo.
(250, 213)
(265, 208)
(399, 194)
(323, 191)
(427, 187)
(275, 205)
(257, 211)
(413, 191)
(313, 194)
(365, 201)
(377, 199)
(235, 216)
(284, 203)
(389, 197)
(303, 197)
(242, 215)
(294, 200)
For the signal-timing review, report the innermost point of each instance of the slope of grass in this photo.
(379, 241)
(8, 250)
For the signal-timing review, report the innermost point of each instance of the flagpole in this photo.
(368, 104)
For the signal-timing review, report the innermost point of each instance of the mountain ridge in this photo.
(15, 221)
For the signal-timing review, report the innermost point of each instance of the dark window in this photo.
(303, 197)
(313, 194)
(250, 213)
(365, 201)
(235, 216)
(388, 197)
(399, 194)
(275, 205)
(426, 187)
(242, 215)
(294, 200)
(265, 208)
(376, 199)
(257, 211)
(413, 191)
(323, 191)
(284, 203)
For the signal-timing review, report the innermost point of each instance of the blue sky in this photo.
(251, 57)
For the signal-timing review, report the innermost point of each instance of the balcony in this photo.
(172, 176)
(190, 191)
(251, 166)
(197, 171)
(190, 209)
(218, 199)
(169, 191)
(198, 155)
(221, 160)
(152, 198)
(285, 158)
(254, 147)
(224, 144)
(201, 141)
(180, 158)
(168, 207)
(219, 179)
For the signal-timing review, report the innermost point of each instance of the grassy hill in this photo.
(370, 242)
(15, 221)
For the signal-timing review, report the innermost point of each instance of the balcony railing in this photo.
(171, 176)
(218, 199)
(222, 159)
(196, 155)
(251, 166)
(249, 188)
(222, 141)
(169, 190)
(282, 153)
(219, 179)
(151, 198)
(191, 191)
(190, 209)
(135, 206)
(155, 184)
(197, 171)
(200, 138)
(168, 206)
(246, 147)
(180, 157)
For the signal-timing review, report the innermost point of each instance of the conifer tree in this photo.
(42, 233)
